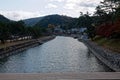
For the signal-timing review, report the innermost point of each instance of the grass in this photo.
(111, 44)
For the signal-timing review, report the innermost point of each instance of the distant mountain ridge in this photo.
(32, 21)
(55, 20)
(63, 21)
(50, 19)
(4, 19)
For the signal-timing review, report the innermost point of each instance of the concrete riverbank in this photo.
(111, 59)
(8, 51)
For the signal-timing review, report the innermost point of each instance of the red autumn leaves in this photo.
(108, 29)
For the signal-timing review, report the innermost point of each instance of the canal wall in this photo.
(111, 59)
(8, 51)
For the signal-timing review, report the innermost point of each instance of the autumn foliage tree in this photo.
(108, 13)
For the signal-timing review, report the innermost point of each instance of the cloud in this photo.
(81, 5)
(75, 6)
(57, 0)
(69, 6)
(65, 7)
(18, 15)
(50, 5)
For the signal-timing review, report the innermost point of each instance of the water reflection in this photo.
(63, 54)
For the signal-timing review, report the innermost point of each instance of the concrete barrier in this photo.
(61, 76)
(111, 59)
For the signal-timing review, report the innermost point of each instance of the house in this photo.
(83, 33)
(58, 29)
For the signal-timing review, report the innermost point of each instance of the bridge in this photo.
(61, 76)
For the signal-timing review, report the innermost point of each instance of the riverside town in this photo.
(59, 39)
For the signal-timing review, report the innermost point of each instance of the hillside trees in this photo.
(107, 10)
(65, 22)
(105, 21)
(4, 32)
(14, 30)
(108, 14)
(87, 21)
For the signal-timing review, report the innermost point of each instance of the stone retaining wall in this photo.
(8, 51)
(111, 59)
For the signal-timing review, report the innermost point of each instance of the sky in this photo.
(23, 9)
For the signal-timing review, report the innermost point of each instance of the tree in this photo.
(107, 9)
(108, 12)
(87, 21)
(4, 32)
(51, 28)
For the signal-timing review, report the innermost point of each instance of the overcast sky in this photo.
(23, 9)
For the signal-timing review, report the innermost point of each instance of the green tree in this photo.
(4, 32)
(107, 11)
(85, 20)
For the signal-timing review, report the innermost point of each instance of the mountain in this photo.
(55, 20)
(63, 21)
(32, 21)
(4, 19)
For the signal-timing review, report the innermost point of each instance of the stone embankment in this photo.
(8, 51)
(111, 59)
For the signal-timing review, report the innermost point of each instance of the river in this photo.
(62, 54)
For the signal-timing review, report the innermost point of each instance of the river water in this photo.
(62, 54)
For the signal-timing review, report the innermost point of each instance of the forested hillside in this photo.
(32, 21)
(3, 19)
(12, 30)
(63, 21)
